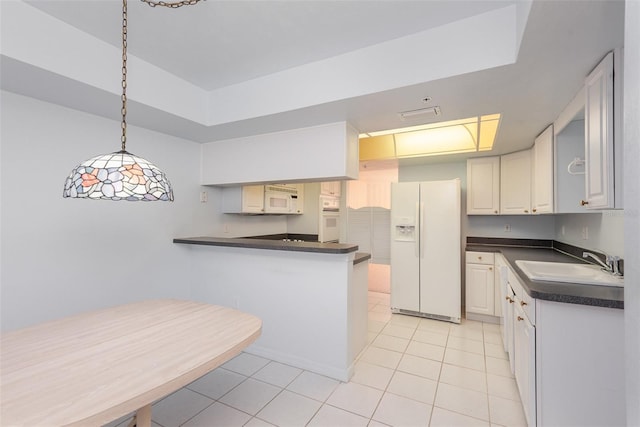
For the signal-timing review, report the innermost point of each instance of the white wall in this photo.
(309, 221)
(605, 231)
(63, 256)
(632, 208)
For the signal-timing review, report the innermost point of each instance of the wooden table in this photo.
(95, 367)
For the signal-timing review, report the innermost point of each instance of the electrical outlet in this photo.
(203, 197)
(507, 228)
(585, 233)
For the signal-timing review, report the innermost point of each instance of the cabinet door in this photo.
(497, 291)
(598, 127)
(525, 363)
(515, 183)
(509, 320)
(543, 172)
(337, 188)
(253, 199)
(331, 188)
(483, 186)
(480, 289)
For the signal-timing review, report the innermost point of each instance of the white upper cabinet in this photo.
(331, 188)
(248, 199)
(322, 153)
(542, 194)
(600, 131)
(515, 183)
(483, 186)
(569, 172)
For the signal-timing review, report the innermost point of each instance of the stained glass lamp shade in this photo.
(118, 176)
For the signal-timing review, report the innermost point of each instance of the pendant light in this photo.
(121, 175)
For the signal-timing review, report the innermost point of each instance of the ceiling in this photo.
(216, 45)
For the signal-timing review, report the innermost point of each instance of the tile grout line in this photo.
(435, 394)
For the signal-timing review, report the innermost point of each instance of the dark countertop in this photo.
(269, 244)
(572, 293)
(361, 257)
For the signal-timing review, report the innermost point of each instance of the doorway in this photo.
(369, 218)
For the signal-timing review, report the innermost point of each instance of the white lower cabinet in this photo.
(523, 350)
(568, 359)
(580, 373)
(480, 296)
(524, 337)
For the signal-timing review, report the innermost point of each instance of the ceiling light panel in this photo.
(451, 137)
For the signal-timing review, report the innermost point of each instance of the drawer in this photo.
(529, 306)
(480, 257)
(523, 299)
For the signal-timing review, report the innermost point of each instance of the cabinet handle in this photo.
(527, 210)
(495, 212)
(522, 303)
(583, 202)
(509, 299)
(520, 318)
(534, 210)
(490, 268)
(479, 258)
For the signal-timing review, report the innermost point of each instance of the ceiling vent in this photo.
(421, 113)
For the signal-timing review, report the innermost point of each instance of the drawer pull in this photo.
(479, 258)
(509, 299)
(490, 268)
(522, 303)
(520, 318)
(583, 202)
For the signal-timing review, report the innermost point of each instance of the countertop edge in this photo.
(277, 245)
(361, 257)
(570, 293)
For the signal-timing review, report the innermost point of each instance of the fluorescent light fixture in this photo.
(422, 112)
(452, 137)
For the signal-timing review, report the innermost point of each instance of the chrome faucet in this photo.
(612, 264)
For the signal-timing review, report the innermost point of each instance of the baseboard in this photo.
(337, 373)
(483, 318)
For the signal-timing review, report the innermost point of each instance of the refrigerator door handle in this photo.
(417, 230)
(421, 236)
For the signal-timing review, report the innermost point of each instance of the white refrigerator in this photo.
(425, 249)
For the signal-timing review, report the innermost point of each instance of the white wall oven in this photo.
(329, 227)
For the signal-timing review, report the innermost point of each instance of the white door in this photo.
(480, 289)
(440, 248)
(525, 363)
(598, 127)
(483, 186)
(515, 183)
(543, 172)
(405, 268)
(253, 198)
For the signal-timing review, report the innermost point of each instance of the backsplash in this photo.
(599, 231)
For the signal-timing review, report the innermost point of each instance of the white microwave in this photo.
(281, 199)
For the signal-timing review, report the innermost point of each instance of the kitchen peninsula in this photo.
(311, 297)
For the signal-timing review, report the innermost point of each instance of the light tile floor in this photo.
(413, 372)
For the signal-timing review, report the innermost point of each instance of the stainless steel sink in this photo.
(568, 273)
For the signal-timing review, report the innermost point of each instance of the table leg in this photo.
(142, 418)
